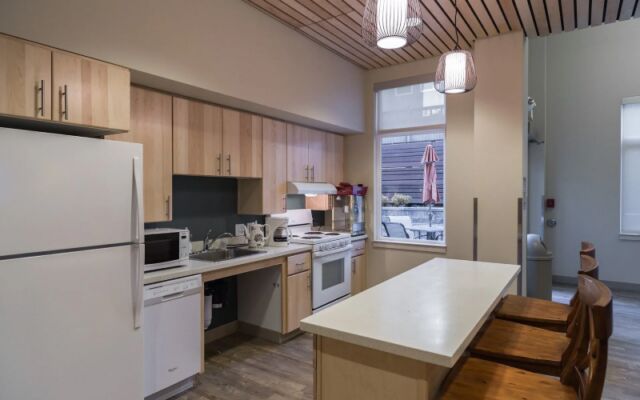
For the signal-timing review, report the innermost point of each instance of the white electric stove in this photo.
(331, 269)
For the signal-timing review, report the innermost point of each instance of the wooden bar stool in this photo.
(582, 378)
(545, 313)
(529, 347)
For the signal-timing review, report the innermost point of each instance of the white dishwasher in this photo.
(172, 314)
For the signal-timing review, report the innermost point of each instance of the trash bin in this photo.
(538, 268)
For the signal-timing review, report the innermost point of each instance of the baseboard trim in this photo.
(221, 331)
(267, 334)
(622, 286)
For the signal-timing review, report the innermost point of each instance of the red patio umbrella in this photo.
(430, 193)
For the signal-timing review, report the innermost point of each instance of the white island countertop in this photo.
(429, 313)
(195, 266)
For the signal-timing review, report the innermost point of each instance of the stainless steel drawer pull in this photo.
(65, 112)
(229, 161)
(220, 164)
(40, 92)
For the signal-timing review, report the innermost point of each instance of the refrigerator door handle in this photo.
(136, 285)
(139, 210)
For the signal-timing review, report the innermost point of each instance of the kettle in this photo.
(257, 234)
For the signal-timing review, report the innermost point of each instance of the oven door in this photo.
(331, 276)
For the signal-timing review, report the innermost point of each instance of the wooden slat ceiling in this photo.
(336, 24)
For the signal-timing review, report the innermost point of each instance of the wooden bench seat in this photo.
(523, 346)
(480, 379)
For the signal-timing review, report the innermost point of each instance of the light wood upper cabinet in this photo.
(151, 125)
(267, 195)
(298, 299)
(335, 158)
(90, 92)
(241, 144)
(317, 142)
(197, 138)
(25, 79)
(297, 153)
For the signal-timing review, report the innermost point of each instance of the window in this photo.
(629, 166)
(410, 125)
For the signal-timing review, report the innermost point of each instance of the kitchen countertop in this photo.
(200, 267)
(429, 313)
(359, 237)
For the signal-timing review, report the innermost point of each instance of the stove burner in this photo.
(311, 237)
(295, 235)
(313, 233)
(332, 234)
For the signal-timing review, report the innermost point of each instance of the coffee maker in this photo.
(346, 214)
(279, 228)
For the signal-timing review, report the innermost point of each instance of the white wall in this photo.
(220, 50)
(588, 73)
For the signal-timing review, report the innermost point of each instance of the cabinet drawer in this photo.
(298, 263)
(358, 248)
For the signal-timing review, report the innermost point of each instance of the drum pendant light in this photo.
(456, 71)
(391, 24)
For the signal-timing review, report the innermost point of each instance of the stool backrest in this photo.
(588, 249)
(586, 367)
(588, 265)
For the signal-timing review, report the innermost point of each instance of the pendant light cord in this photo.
(455, 23)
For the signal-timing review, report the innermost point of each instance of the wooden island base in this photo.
(345, 371)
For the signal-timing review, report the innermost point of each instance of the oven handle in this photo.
(332, 251)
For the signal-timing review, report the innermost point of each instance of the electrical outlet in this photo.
(239, 230)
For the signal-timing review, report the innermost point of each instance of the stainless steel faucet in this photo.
(224, 243)
(205, 247)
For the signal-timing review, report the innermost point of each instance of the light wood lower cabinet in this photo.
(25, 79)
(90, 92)
(298, 299)
(269, 194)
(151, 125)
(358, 274)
(197, 138)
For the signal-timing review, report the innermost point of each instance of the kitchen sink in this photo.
(229, 254)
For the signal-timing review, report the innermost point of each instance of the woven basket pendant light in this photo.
(391, 24)
(456, 71)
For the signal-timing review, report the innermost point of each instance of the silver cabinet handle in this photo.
(220, 164)
(64, 93)
(229, 161)
(136, 286)
(168, 206)
(284, 203)
(306, 175)
(313, 173)
(40, 93)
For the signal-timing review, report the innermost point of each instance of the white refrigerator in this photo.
(71, 264)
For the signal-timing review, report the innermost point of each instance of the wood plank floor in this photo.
(244, 368)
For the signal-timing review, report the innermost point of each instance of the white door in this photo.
(67, 327)
(62, 192)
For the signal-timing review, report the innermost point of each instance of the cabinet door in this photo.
(317, 155)
(90, 92)
(335, 158)
(151, 125)
(25, 79)
(359, 274)
(242, 144)
(297, 153)
(197, 138)
(298, 299)
(274, 166)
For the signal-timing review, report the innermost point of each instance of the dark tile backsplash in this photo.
(203, 203)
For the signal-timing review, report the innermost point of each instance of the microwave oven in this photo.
(166, 248)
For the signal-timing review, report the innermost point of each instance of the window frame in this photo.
(625, 235)
(378, 239)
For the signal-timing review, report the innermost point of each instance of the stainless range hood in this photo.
(310, 188)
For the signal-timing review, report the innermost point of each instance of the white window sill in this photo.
(629, 236)
(430, 247)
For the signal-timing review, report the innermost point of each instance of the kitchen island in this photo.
(399, 339)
